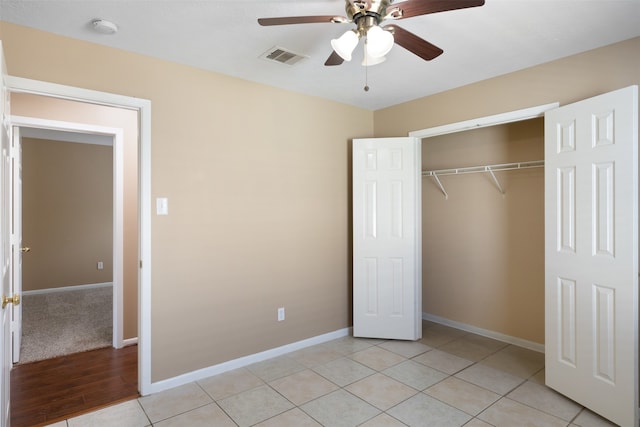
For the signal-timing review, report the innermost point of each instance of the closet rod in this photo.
(487, 168)
(482, 169)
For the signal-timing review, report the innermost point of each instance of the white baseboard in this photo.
(241, 362)
(129, 341)
(244, 361)
(68, 288)
(485, 332)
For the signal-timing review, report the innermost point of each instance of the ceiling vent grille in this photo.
(283, 56)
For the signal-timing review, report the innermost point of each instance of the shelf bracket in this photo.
(495, 180)
(435, 176)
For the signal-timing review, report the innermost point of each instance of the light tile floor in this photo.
(449, 378)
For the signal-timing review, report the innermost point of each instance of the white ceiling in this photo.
(223, 36)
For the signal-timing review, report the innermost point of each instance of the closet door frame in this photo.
(482, 122)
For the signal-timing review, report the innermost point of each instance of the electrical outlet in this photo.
(100, 265)
(280, 314)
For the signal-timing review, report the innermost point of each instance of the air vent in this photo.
(283, 56)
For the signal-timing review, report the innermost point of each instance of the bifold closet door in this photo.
(591, 253)
(387, 238)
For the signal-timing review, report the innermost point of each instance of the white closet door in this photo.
(387, 238)
(591, 253)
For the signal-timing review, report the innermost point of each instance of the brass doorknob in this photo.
(25, 250)
(15, 300)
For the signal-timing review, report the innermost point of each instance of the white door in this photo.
(16, 240)
(5, 246)
(387, 238)
(591, 253)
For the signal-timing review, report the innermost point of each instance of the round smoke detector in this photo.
(103, 26)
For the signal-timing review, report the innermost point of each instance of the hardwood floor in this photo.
(56, 389)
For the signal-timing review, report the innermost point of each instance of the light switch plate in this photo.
(162, 206)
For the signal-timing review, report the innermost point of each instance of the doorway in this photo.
(142, 113)
(476, 223)
(68, 225)
(115, 135)
(86, 160)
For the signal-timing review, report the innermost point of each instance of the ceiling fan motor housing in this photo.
(368, 15)
(357, 9)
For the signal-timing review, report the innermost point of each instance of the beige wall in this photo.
(78, 112)
(483, 254)
(257, 180)
(566, 80)
(67, 213)
(258, 185)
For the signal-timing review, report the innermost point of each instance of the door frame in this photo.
(143, 107)
(117, 136)
(482, 122)
(471, 124)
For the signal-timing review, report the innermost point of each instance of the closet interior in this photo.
(483, 228)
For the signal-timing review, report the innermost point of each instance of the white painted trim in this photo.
(62, 126)
(68, 288)
(118, 241)
(67, 136)
(117, 134)
(144, 288)
(245, 361)
(130, 341)
(143, 106)
(485, 332)
(37, 87)
(498, 119)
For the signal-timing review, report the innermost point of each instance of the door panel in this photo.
(5, 245)
(387, 238)
(16, 241)
(591, 253)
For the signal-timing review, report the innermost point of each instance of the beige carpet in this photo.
(59, 323)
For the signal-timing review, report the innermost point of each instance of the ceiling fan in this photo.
(368, 15)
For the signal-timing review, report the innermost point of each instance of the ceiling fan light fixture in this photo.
(369, 60)
(379, 42)
(345, 44)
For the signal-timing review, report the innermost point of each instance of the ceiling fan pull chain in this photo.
(366, 71)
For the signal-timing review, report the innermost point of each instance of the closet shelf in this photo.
(490, 169)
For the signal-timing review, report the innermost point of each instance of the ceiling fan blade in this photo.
(414, 44)
(301, 20)
(334, 59)
(422, 7)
